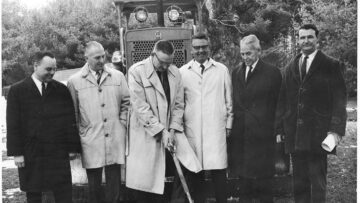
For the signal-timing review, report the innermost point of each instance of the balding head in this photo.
(95, 55)
(252, 41)
(91, 46)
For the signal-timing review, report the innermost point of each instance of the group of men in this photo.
(209, 120)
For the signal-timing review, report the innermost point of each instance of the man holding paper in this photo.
(312, 115)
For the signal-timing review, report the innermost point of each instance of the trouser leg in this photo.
(317, 172)
(63, 194)
(146, 197)
(219, 179)
(94, 180)
(113, 179)
(34, 197)
(302, 186)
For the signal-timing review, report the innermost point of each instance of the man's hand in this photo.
(278, 138)
(19, 161)
(168, 140)
(172, 141)
(228, 132)
(72, 156)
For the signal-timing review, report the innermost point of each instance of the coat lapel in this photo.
(153, 77)
(172, 84)
(85, 72)
(294, 67)
(32, 87)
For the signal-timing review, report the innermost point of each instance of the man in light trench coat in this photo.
(208, 116)
(156, 123)
(101, 99)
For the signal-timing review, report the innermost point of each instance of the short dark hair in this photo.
(38, 56)
(200, 36)
(310, 27)
(164, 46)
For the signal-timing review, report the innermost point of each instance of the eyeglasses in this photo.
(200, 47)
(162, 63)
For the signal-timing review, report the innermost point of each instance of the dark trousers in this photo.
(112, 187)
(147, 197)
(256, 188)
(196, 184)
(309, 177)
(63, 195)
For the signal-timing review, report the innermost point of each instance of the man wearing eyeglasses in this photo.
(157, 101)
(208, 116)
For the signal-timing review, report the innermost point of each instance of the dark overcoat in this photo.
(43, 130)
(313, 107)
(252, 141)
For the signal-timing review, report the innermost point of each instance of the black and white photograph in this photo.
(179, 101)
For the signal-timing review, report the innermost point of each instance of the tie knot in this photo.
(250, 68)
(98, 72)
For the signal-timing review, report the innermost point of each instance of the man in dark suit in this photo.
(256, 87)
(41, 132)
(313, 118)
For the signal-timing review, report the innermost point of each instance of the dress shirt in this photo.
(38, 83)
(94, 73)
(308, 61)
(248, 68)
(197, 67)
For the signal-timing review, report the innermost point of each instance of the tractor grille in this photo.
(142, 49)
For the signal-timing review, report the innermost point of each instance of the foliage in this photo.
(66, 25)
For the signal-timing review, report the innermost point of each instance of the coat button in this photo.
(102, 105)
(106, 135)
(300, 121)
(301, 105)
(105, 120)
(100, 90)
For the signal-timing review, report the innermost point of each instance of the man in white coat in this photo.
(208, 116)
(101, 99)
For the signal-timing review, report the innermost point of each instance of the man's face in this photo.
(45, 69)
(307, 41)
(249, 54)
(162, 61)
(96, 58)
(200, 50)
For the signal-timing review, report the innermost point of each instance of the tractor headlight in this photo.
(141, 14)
(173, 13)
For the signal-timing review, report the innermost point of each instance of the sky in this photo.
(32, 4)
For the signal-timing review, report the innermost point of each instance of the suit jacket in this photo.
(311, 108)
(252, 141)
(43, 130)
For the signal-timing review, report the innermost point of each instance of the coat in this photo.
(208, 112)
(313, 107)
(252, 141)
(101, 112)
(43, 130)
(145, 164)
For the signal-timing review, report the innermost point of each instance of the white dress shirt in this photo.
(196, 65)
(248, 68)
(38, 83)
(308, 61)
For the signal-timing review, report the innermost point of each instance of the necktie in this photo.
(98, 76)
(43, 89)
(249, 73)
(303, 68)
(165, 84)
(202, 68)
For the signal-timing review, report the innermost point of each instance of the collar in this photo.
(254, 65)
(310, 56)
(150, 69)
(38, 82)
(86, 70)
